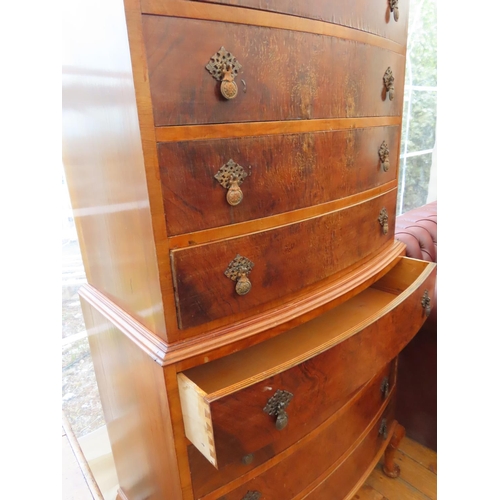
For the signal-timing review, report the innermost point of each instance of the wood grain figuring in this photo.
(308, 457)
(316, 383)
(254, 129)
(372, 16)
(181, 8)
(286, 260)
(285, 173)
(136, 409)
(104, 165)
(288, 74)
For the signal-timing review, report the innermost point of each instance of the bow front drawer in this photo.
(275, 392)
(276, 74)
(372, 16)
(310, 455)
(218, 280)
(273, 174)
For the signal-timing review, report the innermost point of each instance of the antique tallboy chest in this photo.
(233, 171)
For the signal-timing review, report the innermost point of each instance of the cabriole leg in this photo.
(390, 468)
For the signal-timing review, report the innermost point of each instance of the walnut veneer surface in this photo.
(246, 300)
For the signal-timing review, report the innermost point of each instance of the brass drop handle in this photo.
(234, 193)
(252, 495)
(393, 4)
(426, 303)
(389, 83)
(224, 67)
(228, 87)
(385, 387)
(238, 270)
(383, 154)
(383, 220)
(230, 176)
(276, 406)
(383, 431)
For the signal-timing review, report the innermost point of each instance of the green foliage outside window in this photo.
(420, 106)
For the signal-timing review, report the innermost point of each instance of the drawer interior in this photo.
(243, 368)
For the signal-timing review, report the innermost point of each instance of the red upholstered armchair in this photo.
(417, 368)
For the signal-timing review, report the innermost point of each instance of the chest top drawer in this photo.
(280, 74)
(373, 16)
(276, 174)
(232, 276)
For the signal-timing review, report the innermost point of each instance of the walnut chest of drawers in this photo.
(233, 171)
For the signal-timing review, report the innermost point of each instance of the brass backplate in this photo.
(222, 61)
(230, 171)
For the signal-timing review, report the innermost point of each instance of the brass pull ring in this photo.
(383, 431)
(238, 270)
(385, 387)
(383, 154)
(276, 407)
(230, 176)
(426, 303)
(252, 495)
(393, 4)
(383, 220)
(389, 83)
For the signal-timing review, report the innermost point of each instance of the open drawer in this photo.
(272, 394)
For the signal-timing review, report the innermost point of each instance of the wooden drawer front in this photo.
(289, 75)
(321, 455)
(285, 260)
(285, 172)
(232, 422)
(372, 16)
(345, 478)
(342, 429)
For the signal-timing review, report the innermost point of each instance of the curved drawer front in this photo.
(319, 456)
(280, 173)
(380, 321)
(373, 16)
(284, 261)
(340, 483)
(288, 75)
(341, 430)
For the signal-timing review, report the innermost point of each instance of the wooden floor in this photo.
(88, 471)
(417, 481)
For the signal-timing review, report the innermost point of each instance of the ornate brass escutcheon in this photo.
(383, 220)
(393, 4)
(224, 67)
(385, 387)
(383, 154)
(276, 407)
(230, 176)
(238, 270)
(252, 495)
(389, 83)
(382, 431)
(426, 303)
